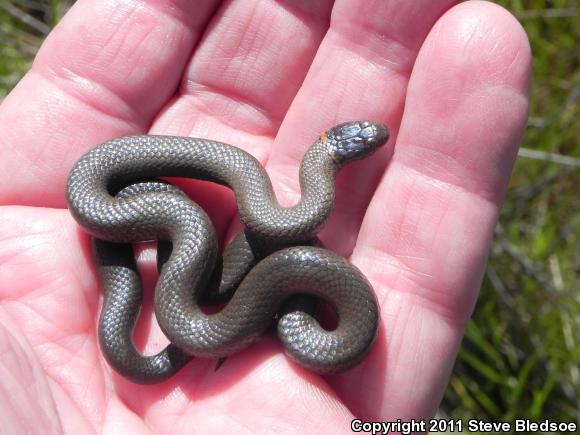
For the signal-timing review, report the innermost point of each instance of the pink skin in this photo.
(451, 82)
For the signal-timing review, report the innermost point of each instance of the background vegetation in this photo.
(521, 353)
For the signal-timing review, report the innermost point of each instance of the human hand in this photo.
(450, 82)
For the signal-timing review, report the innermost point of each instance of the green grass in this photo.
(521, 353)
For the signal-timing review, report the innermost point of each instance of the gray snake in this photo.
(114, 195)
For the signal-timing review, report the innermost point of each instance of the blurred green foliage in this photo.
(521, 353)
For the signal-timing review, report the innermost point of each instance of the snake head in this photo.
(355, 140)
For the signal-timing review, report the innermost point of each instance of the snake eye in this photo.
(356, 140)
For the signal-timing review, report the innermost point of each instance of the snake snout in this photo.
(377, 134)
(356, 140)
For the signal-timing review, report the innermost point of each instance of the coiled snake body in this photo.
(113, 194)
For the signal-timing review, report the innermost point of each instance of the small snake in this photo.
(113, 194)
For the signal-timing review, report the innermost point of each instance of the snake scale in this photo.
(114, 194)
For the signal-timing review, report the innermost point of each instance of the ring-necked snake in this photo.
(114, 194)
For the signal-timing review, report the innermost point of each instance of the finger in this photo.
(241, 81)
(360, 72)
(244, 74)
(427, 232)
(104, 71)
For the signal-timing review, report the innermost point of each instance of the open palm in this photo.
(451, 82)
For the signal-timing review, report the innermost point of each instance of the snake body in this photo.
(113, 196)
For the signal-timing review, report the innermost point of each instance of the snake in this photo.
(117, 193)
